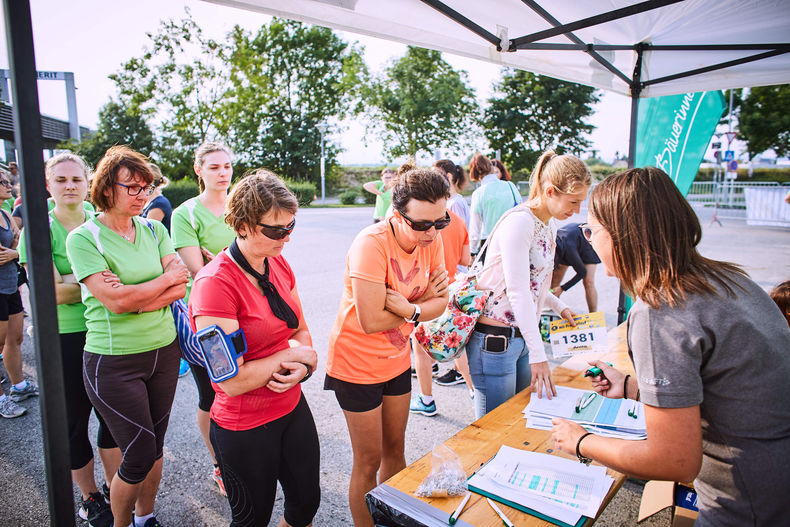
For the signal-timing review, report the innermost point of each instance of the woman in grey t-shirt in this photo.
(711, 353)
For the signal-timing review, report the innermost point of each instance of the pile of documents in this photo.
(556, 489)
(620, 418)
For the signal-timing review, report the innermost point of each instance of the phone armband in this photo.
(220, 351)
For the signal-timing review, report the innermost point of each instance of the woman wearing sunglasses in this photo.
(394, 278)
(710, 350)
(506, 351)
(262, 429)
(199, 232)
(130, 364)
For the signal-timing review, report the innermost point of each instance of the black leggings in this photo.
(134, 393)
(78, 406)
(205, 389)
(252, 461)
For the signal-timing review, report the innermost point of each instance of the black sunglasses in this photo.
(425, 225)
(275, 232)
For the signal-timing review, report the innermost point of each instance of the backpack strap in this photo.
(147, 223)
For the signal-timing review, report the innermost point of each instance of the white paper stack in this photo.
(556, 487)
(620, 418)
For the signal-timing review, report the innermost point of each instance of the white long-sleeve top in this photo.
(518, 268)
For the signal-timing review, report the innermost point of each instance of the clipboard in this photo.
(520, 507)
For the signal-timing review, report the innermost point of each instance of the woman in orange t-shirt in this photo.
(394, 277)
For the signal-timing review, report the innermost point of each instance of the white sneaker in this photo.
(9, 409)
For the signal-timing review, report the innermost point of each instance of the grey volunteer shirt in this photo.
(731, 356)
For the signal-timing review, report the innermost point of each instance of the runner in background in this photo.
(383, 191)
(199, 233)
(575, 251)
(67, 183)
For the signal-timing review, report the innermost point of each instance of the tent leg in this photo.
(636, 89)
(27, 136)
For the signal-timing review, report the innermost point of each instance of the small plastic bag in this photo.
(447, 477)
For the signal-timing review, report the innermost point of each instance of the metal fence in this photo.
(728, 199)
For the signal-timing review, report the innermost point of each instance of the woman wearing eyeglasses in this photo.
(710, 351)
(199, 232)
(262, 429)
(130, 364)
(394, 278)
(505, 351)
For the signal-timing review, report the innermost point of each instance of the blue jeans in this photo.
(497, 376)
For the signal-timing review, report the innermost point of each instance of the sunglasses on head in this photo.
(275, 232)
(425, 225)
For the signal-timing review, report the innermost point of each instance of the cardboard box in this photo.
(658, 495)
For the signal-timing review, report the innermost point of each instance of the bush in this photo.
(349, 197)
(303, 190)
(779, 174)
(177, 192)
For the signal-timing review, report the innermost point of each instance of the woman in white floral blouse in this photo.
(506, 350)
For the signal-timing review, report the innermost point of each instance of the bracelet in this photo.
(625, 387)
(582, 459)
(415, 316)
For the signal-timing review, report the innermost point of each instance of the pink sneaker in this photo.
(217, 477)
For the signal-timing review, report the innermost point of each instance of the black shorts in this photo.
(354, 397)
(10, 305)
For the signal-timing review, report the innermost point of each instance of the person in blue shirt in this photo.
(158, 206)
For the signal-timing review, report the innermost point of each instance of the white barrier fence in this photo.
(760, 203)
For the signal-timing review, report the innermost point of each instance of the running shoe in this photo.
(152, 522)
(30, 390)
(96, 511)
(451, 378)
(419, 407)
(217, 477)
(9, 409)
(105, 491)
(183, 368)
(434, 370)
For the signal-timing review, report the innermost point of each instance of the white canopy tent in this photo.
(728, 43)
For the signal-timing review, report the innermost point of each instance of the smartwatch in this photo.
(220, 351)
(415, 316)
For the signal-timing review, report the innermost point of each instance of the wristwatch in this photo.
(582, 459)
(415, 316)
(309, 372)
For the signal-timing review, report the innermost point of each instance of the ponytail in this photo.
(564, 172)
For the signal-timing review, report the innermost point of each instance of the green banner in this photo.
(674, 131)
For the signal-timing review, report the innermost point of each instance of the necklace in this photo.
(129, 233)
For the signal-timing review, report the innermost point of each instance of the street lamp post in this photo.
(322, 128)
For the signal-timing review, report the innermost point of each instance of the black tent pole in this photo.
(27, 134)
(636, 90)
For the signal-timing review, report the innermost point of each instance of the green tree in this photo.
(421, 104)
(764, 119)
(179, 82)
(118, 125)
(285, 80)
(530, 113)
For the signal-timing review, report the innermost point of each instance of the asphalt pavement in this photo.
(317, 253)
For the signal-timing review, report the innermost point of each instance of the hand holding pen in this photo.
(606, 380)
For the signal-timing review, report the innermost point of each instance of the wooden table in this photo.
(505, 425)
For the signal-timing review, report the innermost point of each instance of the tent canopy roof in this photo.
(603, 47)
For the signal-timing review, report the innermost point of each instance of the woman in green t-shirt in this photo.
(130, 364)
(67, 182)
(199, 233)
(383, 191)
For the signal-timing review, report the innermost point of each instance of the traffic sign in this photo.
(733, 166)
(729, 155)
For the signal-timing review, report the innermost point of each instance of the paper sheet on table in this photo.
(557, 487)
(601, 411)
